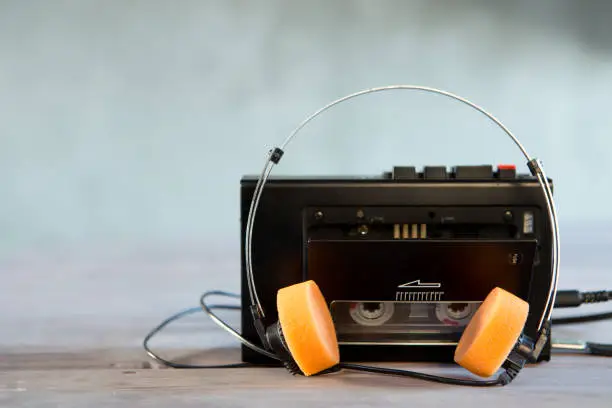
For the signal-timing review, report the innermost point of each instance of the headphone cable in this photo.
(502, 379)
(595, 317)
(427, 377)
(174, 318)
(565, 299)
(208, 309)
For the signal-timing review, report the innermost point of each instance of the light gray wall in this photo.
(128, 124)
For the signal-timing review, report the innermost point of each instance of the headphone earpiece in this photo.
(304, 336)
(492, 333)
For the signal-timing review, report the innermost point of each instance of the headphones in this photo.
(304, 337)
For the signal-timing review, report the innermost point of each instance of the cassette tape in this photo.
(401, 322)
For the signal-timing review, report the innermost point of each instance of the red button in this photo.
(506, 167)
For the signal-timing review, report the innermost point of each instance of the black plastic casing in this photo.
(289, 216)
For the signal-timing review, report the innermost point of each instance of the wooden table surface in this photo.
(71, 330)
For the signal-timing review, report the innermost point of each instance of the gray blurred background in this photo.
(125, 127)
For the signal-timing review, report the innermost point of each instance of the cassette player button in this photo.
(435, 172)
(506, 171)
(473, 172)
(404, 173)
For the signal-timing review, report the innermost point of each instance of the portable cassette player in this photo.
(403, 259)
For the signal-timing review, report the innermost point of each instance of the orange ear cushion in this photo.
(308, 327)
(492, 333)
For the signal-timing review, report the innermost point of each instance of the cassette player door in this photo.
(424, 291)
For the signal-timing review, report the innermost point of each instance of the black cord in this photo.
(356, 367)
(208, 309)
(422, 376)
(574, 298)
(565, 299)
(582, 319)
(174, 318)
(599, 349)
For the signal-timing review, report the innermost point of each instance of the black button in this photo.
(435, 172)
(473, 172)
(404, 173)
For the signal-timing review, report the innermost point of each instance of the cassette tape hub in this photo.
(380, 246)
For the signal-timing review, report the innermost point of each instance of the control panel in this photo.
(480, 172)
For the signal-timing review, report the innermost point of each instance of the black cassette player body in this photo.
(404, 259)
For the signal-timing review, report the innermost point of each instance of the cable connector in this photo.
(276, 154)
(542, 340)
(521, 353)
(259, 325)
(596, 297)
(534, 166)
(525, 350)
(574, 298)
(568, 298)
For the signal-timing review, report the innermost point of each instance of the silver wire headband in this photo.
(534, 165)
